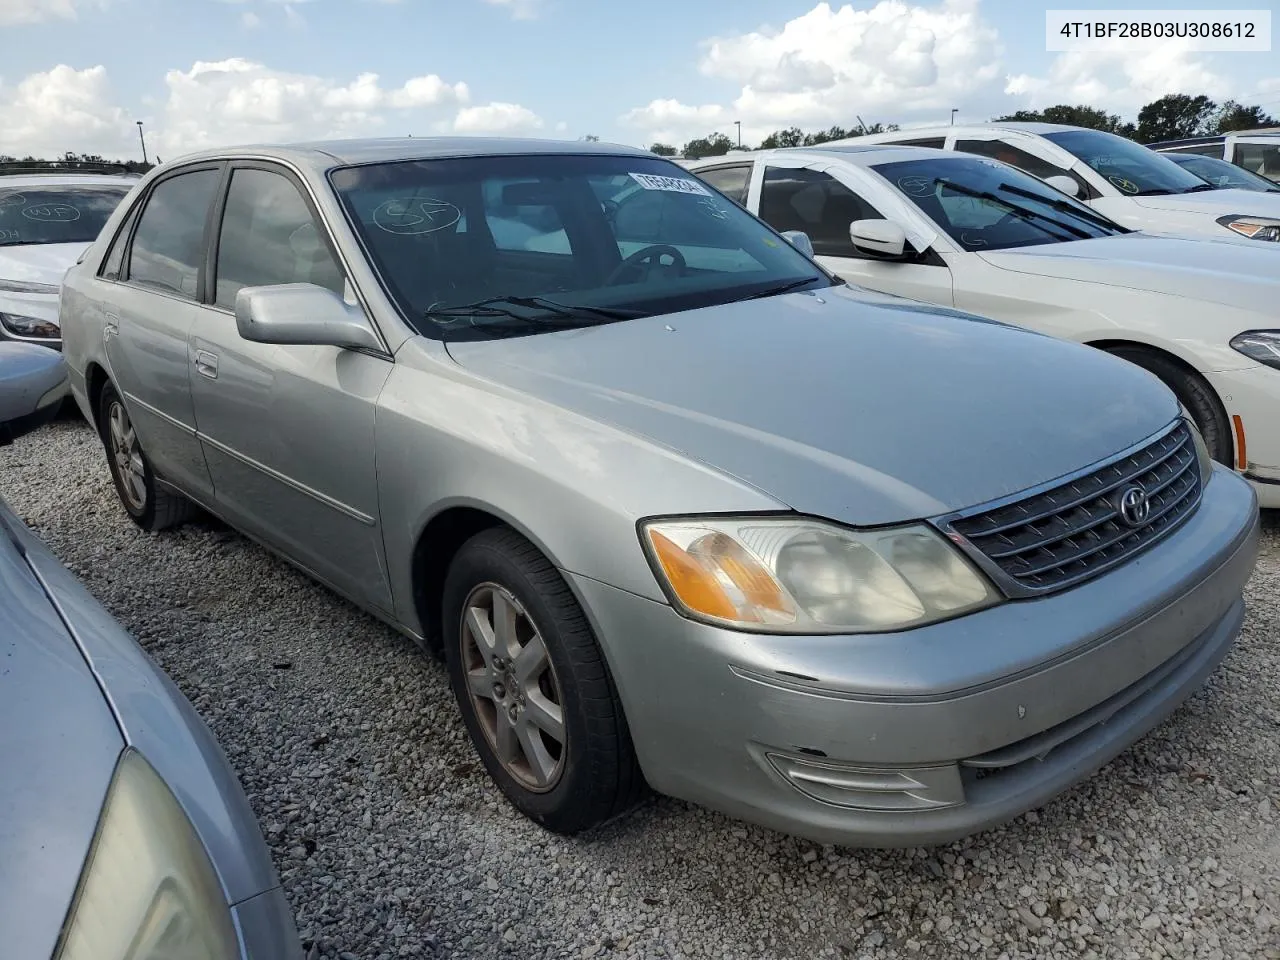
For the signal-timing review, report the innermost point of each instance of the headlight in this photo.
(1255, 228)
(30, 326)
(1260, 345)
(1203, 460)
(784, 575)
(24, 286)
(148, 891)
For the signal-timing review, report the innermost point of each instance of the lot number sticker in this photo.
(670, 184)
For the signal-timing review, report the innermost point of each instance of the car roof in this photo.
(65, 178)
(323, 155)
(941, 130)
(1266, 133)
(859, 154)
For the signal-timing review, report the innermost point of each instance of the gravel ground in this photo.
(391, 842)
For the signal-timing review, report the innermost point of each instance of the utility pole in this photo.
(954, 111)
(861, 124)
(143, 140)
(738, 124)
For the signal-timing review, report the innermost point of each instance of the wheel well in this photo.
(437, 545)
(95, 378)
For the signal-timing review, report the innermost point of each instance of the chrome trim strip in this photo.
(328, 501)
(172, 421)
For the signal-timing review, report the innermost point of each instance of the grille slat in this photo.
(1063, 536)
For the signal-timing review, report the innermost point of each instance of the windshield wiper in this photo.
(1063, 206)
(1019, 211)
(1153, 192)
(1200, 188)
(556, 313)
(778, 289)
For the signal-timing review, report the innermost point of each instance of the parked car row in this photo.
(788, 515)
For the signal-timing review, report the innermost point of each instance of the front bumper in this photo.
(929, 735)
(1253, 395)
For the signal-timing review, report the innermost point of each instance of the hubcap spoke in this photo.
(480, 683)
(481, 634)
(541, 764)
(505, 616)
(531, 661)
(545, 715)
(506, 745)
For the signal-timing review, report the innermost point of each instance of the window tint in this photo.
(268, 236)
(1130, 168)
(818, 204)
(731, 181)
(936, 143)
(1027, 162)
(55, 214)
(168, 245)
(1260, 158)
(113, 265)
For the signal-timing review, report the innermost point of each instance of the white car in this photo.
(1257, 151)
(48, 218)
(1131, 184)
(975, 234)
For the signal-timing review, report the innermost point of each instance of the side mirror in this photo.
(1064, 184)
(883, 237)
(800, 240)
(302, 313)
(33, 383)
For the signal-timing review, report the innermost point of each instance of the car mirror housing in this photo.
(302, 313)
(33, 383)
(800, 240)
(882, 237)
(1064, 184)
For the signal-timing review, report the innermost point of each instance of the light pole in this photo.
(143, 140)
(738, 124)
(954, 111)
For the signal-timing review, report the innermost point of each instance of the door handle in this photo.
(110, 328)
(207, 364)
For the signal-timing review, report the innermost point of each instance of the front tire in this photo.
(1196, 396)
(535, 693)
(150, 506)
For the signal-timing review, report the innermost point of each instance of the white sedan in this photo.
(975, 234)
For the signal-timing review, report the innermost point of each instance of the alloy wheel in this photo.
(127, 456)
(513, 687)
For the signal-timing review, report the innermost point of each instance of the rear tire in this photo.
(534, 689)
(149, 505)
(1196, 396)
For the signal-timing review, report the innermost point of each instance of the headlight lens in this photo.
(22, 326)
(1203, 460)
(24, 286)
(1260, 345)
(148, 891)
(783, 575)
(1255, 228)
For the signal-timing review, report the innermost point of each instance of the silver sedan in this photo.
(677, 507)
(123, 831)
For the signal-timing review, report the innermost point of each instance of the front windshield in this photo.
(608, 236)
(1129, 167)
(56, 214)
(1223, 175)
(985, 205)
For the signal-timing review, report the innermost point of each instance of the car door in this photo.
(797, 196)
(288, 430)
(152, 283)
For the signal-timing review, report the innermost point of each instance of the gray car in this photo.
(123, 831)
(676, 506)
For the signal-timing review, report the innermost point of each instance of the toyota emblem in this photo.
(1135, 507)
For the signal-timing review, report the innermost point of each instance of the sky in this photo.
(78, 74)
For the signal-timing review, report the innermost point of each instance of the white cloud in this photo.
(32, 11)
(250, 20)
(886, 63)
(1119, 82)
(239, 101)
(497, 118)
(520, 9)
(46, 114)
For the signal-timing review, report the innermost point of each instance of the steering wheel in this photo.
(648, 258)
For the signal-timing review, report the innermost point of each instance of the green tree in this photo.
(1080, 115)
(662, 149)
(591, 138)
(826, 136)
(1176, 116)
(791, 137)
(716, 145)
(1236, 116)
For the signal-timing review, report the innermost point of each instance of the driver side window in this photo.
(816, 203)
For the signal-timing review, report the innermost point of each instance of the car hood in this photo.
(1216, 202)
(39, 262)
(1238, 274)
(59, 744)
(843, 404)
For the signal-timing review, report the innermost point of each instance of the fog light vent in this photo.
(872, 788)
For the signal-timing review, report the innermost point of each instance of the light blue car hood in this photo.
(58, 748)
(843, 404)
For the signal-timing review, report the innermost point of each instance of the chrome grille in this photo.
(1057, 538)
